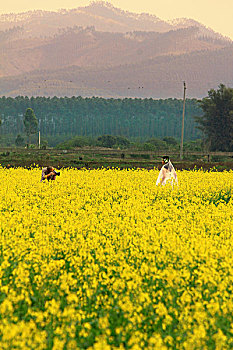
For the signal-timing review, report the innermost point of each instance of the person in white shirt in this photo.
(167, 173)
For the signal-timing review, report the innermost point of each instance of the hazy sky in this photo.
(213, 13)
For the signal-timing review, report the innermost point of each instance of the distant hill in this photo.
(159, 78)
(102, 15)
(104, 51)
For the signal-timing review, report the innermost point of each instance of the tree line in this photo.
(142, 118)
(131, 118)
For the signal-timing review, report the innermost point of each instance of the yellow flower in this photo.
(102, 258)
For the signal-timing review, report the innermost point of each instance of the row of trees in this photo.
(216, 122)
(121, 142)
(132, 118)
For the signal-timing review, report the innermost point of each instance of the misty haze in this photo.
(100, 50)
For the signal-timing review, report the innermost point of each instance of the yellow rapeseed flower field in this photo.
(104, 259)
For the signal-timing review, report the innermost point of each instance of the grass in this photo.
(28, 158)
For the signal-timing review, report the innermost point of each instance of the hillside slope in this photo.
(104, 51)
(160, 77)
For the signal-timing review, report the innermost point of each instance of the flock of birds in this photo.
(71, 81)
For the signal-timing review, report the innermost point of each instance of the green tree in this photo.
(157, 143)
(19, 141)
(107, 141)
(44, 143)
(122, 142)
(113, 141)
(30, 123)
(77, 141)
(170, 141)
(217, 121)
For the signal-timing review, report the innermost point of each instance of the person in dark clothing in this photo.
(49, 173)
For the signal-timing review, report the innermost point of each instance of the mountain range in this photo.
(99, 50)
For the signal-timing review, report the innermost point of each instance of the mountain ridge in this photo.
(103, 9)
(56, 41)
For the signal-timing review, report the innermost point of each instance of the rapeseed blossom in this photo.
(104, 259)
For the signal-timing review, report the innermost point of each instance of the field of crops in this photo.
(104, 259)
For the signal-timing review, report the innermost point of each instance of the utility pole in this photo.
(182, 131)
(39, 139)
(39, 135)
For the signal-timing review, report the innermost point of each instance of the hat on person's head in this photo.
(166, 159)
